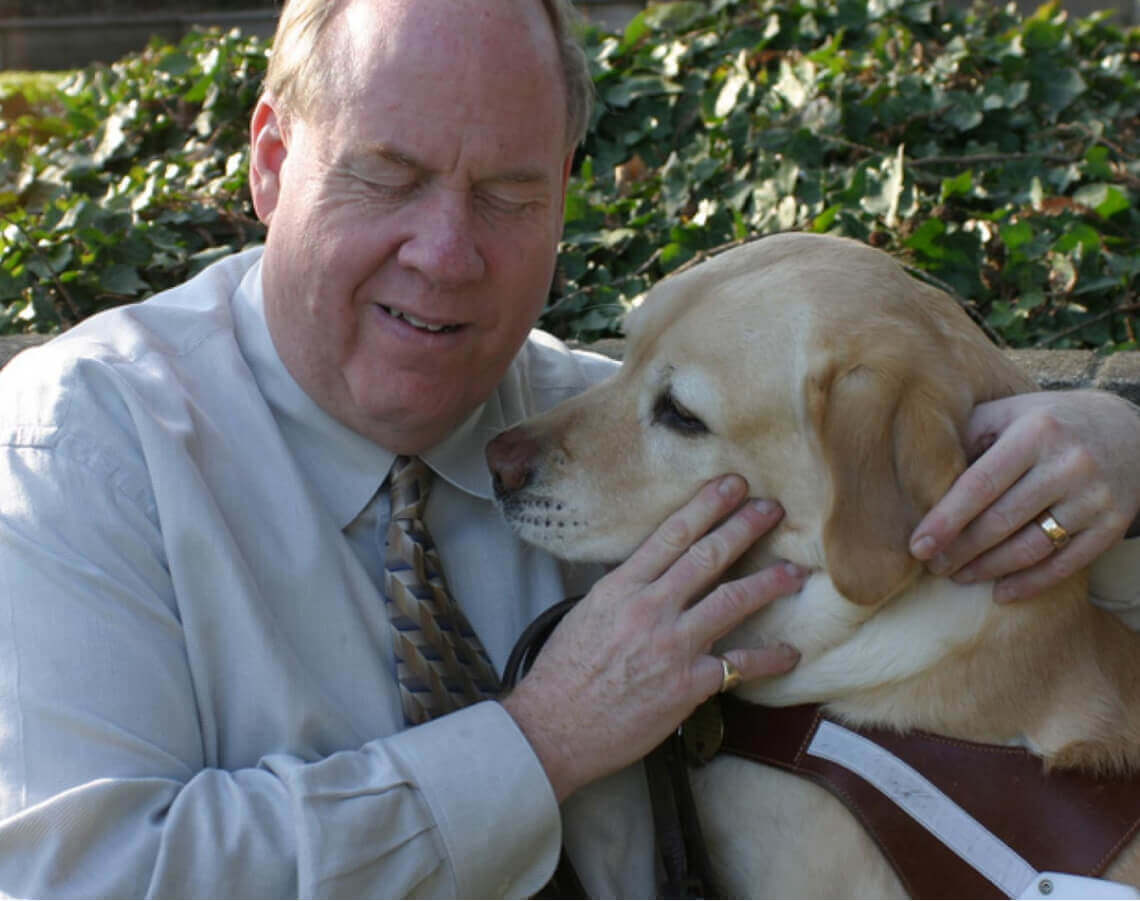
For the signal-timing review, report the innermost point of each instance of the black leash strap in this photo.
(688, 873)
(684, 857)
(531, 641)
(565, 882)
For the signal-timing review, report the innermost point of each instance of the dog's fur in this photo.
(836, 383)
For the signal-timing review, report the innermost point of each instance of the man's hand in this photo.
(631, 660)
(1073, 454)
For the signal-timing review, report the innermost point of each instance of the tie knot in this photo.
(409, 484)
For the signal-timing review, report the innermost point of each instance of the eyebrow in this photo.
(398, 157)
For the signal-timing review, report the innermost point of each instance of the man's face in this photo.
(414, 216)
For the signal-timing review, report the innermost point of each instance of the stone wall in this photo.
(1053, 369)
(75, 41)
(68, 34)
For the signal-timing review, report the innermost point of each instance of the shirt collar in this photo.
(344, 467)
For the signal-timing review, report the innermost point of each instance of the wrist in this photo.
(538, 721)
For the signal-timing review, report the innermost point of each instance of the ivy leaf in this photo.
(884, 201)
(1107, 200)
(121, 279)
(625, 92)
(965, 110)
(958, 186)
(1017, 234)
(176, 63)
(729, 92)
(10, 286)
(113, 138)
(673, 16)
(1061, 88)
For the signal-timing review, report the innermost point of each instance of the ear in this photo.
(892, 449)
(268, 148)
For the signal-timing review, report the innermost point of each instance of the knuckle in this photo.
(1116, 522)
(1060, 566)
(1080, 463)
(1100, 496)
(710, 554)
(981, 483)
(998, 522)
(733, 598)
(1029, 546)
(674, 534)
(1047, 427)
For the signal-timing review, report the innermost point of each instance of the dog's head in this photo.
(813, 366)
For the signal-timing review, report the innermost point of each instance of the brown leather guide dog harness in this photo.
(1062, 821)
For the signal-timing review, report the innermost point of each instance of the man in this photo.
(198, 691)
(197, 680)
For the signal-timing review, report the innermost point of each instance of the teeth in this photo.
(419, 323)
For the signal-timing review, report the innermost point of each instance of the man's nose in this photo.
(443, 245)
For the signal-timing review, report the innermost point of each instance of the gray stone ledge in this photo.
(1052, 369)
(10, 345)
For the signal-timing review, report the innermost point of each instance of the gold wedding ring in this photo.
(730, 677)
(1056, 532)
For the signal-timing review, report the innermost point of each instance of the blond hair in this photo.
(298, 72)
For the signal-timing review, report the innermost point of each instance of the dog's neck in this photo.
(945, 658)
(849, 649)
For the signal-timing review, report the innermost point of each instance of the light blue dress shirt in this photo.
(196, 678)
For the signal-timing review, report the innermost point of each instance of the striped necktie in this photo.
(440, 662)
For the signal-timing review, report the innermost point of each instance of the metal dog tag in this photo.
(703, 732)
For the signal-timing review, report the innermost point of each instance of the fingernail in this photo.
(764, 506)
(731, 486)
(794, 570)
(923, 548)
(1003, 593)
(790, 652)
(964, 576)
(939, 564)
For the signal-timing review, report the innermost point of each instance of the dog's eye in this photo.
(669, 413)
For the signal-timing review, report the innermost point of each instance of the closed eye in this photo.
(673, 415)
(501, 203)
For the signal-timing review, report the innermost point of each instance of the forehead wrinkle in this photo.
(525, 175)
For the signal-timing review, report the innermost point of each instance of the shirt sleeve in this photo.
(106, 782)
(1114, 581)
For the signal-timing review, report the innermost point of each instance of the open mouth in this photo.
(419, 323)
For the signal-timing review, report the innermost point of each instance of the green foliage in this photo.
(997, 154)
(35, 86)
(127, 180)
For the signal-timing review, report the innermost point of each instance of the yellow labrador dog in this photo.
(836, 383)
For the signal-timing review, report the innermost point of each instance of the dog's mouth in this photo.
(560, 529)
(546, 522)
(533, 511)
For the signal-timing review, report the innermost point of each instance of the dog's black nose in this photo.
(511, 458)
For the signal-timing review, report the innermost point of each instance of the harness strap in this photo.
(1059, 820)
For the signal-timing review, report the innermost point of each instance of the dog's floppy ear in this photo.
(892, 447)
